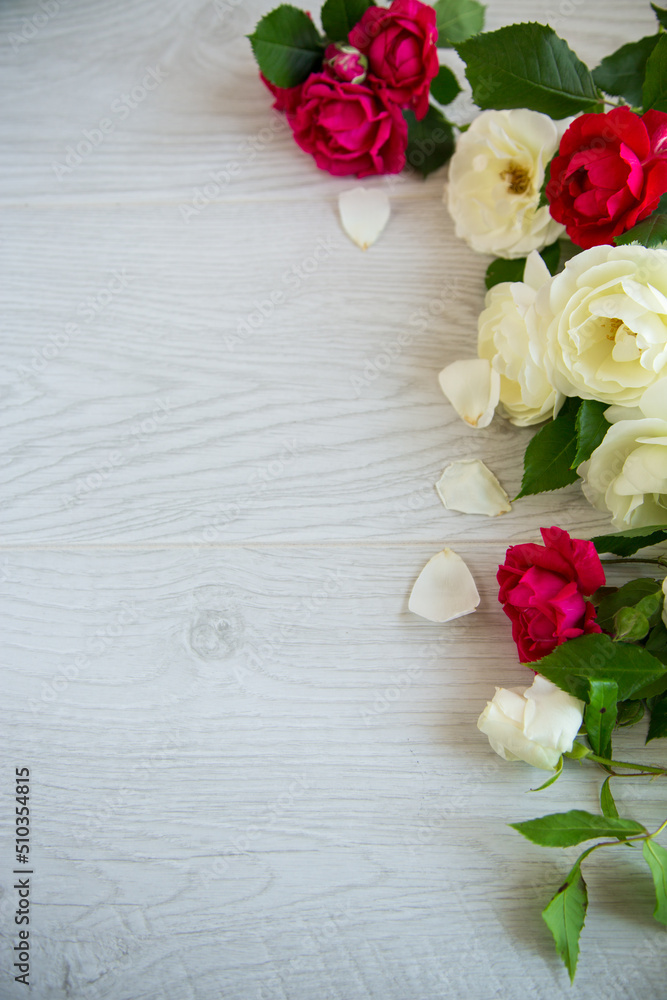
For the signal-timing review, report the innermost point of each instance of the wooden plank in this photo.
(166, 386)
(260, 776)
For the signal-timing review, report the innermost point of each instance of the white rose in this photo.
(495, 177)
(536, 725)
(627, 473)
(605, 323)
(513, 342)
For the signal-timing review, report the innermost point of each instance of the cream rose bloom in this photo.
(511, 339)
(495, 176)
(627, 473)
(537, 724)
(605, 322)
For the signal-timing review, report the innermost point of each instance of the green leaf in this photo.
(551, 256)
(600, 715)
(622, 73)
(457, 20)
(565, 914)
(527, 66)
(658, 725)
(340, 16)
(575, 826)
(547, 463)
(578, 751)
(430, 141)
(656, 859)
(501, 269)
(627, 596)
(445, 86)
(596, 657)
(629, 713)
(651, 232)
(287, 46)
(661, 14)
(554, 777)
(547, 177)
(657, 642)
(591, 427)
(626, 543)
(607, 804)
(655, 82)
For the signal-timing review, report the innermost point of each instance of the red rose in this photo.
(286, 98)
(543, 590)
(609, 174)
(400, 46)
(349, 128)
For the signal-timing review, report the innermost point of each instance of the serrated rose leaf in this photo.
(527, 66)
(471, 488)
(656, 859)
(458, 20)
(565, 915)
(573, 664)
(655, 81)
(364, 212)
(547, 463)
(600, 715)
(445, 589)
(622, 72)
(607, 804)
(340, 16)
(626, 543)
(287, 46)
(573, 827)
(473, 389)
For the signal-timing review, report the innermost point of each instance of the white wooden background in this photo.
(256, 776)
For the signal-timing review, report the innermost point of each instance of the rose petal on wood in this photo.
(364, 212)
(471, 488)
(444, 589)
(473, 389)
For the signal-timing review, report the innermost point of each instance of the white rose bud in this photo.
(512, 340)
(627, 473)
(537, 725)
(605, 323)
(495, 177)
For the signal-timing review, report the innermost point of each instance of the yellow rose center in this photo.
(517, 178)
(614, 326)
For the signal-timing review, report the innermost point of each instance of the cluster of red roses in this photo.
(349, 115)
(544, 591)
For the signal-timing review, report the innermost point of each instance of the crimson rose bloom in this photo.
(543, 590)
(349, 128)
(286, 98)
(609, 174)
(400, 46)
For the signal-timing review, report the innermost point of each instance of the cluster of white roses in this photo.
(597, 330)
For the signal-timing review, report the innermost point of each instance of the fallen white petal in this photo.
(444, 589)
(468, 486)
(473, 389)
(364, 212)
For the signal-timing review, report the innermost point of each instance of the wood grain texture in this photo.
(261, 778)
(255, 775)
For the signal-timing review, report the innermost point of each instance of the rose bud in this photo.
(346, 63)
